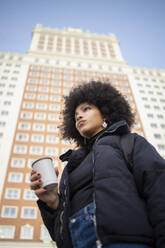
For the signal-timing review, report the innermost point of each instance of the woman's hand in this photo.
(50, 197)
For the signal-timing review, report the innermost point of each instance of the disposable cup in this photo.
(45, 167)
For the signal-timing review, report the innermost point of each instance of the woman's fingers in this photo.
(35, 176)
(35, 184)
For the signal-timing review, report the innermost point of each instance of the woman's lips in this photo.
(81, 123)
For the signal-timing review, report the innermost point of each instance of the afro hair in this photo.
(104, 96)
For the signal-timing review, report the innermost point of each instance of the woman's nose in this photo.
(78, 117)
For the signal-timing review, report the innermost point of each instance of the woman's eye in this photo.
(86, 108)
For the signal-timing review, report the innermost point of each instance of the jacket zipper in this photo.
(98, 241)
(62, 213)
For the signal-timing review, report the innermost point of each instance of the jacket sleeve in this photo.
(49, 217)
(149, 173)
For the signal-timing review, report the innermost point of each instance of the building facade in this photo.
(32, 87)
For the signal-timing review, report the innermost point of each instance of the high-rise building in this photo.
(32, 87)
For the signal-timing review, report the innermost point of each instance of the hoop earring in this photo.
(104, 124)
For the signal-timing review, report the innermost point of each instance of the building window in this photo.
(42, 97)
(28, 105)
(9, 93)
(52, 139)
(23, 137)
(157, 136)
(156, 87)
(52, 128)
(34, 74)
(144, 98)
(54, 107)
(160, 116)
(55, 98)
(9, 211)
(161, 147)
(150, 92)
(41, 106)
(7, 103)
(53, 117)
(51, 151)
(30, 96)
(147, 106)
(4, 112)
(24, 126)
(55, 90)
(12, 193)
(44, 82)
(36, 150)
(150, 115)
(65, 91)
(162, 126)
(56, 76)
(18, 162)
(27, 232)
(66, 84)
(20, 149)
(159, 93)
(153, 99)
(26, 115)
(12, 86)
(156, 107)
(32, 81)
(43, 89)
(40, 116)
(56, 83)
(31, 88)
(2, 124)
(29, 213)
(4, 78)
(38, 127)
(37, 138)
(15, 177)
(29, 195)
(7, 232)
(154, 125)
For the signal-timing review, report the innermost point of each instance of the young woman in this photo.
(101, 203)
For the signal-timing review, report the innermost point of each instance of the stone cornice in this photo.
(76, 33)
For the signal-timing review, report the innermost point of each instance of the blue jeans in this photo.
(83, 234)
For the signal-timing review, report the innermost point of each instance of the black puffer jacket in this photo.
(130, 207)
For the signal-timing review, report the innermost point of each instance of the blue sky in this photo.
(138, 24)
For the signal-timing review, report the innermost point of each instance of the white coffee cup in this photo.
(45, 167)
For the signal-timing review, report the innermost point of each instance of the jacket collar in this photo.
(118, 128)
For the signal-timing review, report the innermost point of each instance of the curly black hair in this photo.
(104, 96)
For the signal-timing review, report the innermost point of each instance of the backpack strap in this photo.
(127, 145)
